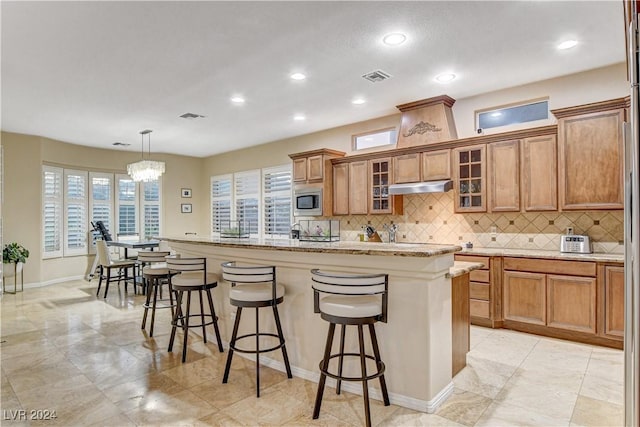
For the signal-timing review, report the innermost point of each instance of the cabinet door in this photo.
(591, 161)
(571, 303)
(524, 297)
(300, 170)
(380, 179)
(436, 165)
(315, 168)
(341, 189)
(470, 186)
(504, 176)
(406, 168)
(614, 301)
(358, 187)
(539, 171)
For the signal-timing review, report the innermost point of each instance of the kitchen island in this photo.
(416, 343)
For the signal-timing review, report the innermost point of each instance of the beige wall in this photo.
(24, 156)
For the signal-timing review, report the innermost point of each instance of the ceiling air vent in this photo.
(377, 76)
(122, 144)
(191, 116)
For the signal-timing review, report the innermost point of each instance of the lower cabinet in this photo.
(485, 300)
(571, 303)
(612, 301)
(525, 297)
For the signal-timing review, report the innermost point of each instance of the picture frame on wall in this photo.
(186, 208)
(185, 192)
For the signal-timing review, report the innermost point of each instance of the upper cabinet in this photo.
(469, 165)
(312, 166)
(436, 165)
(406, 168)
(590, 155)
(539, 173)
(504, 176)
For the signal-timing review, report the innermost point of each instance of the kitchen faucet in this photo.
(392, 230)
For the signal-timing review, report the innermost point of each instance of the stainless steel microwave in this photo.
(307, 202)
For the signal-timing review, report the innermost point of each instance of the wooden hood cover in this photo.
(427, 121)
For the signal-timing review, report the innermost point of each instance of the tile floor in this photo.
(63, 349)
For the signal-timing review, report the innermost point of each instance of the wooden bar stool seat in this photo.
(350, 299)
(254, 287)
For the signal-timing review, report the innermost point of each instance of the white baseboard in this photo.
(428, 406)
(9, 284)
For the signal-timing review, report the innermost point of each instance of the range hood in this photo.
(422, 187)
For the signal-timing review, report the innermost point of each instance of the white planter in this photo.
(10, 269)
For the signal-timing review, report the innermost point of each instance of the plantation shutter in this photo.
(220, 203)
(277, 201)
(151, 199)
(52, 212)
(101, 199)
(247, 200)
(126, 205)
(76, 230)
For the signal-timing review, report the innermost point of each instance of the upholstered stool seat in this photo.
(155, 275)
(351, 299)
(189, 275)
(254, 286)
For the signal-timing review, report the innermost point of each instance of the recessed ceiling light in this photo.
(567, 44)
(445, 77)
(237, 100)
(299, 117)
(394, 39)
(298, 76)
(358, 101)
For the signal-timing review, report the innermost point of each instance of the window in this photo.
(75, 202)
(71, 199)
(375, 139)
(52, 212)
(220, 203)
(237, 197)
(276, 187)
(511, 115)
(247, 200)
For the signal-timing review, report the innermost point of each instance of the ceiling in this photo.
(93, 73)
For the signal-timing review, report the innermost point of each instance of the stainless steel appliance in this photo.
(307, 201)
(575, 244)
(631, 233)
(422, 187)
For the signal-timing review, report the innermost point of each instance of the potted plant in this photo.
(16, 254)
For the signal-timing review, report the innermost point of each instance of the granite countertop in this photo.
(341, 247)
(462, 267)
(536, 253)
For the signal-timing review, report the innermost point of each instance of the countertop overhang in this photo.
(341, 247)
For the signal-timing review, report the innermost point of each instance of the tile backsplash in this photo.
(429, 218)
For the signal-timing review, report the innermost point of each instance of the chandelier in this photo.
(145, 170)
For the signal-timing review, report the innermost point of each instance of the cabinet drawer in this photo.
(472, 258)
(479, 276)
(479, 291)
(569, 268)
(479, 308)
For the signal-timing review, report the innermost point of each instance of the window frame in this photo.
(511, 126)
(55, 200)
(84, 221)
(391, 144)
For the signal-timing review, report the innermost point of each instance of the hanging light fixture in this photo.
(145, 170)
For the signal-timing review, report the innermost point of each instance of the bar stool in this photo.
(351, 300)
(257, 288)
(154, 271)
(190, 275)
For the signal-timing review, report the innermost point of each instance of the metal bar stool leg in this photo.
(215, 320)
(204, 328)
(232, 344)
(376, 353)
(365, 386)
(325, 366)
(178, 314)
(146, 308)
(155, 284)
(339, 383)
(257, 353)
(285, 357)
(185, 328)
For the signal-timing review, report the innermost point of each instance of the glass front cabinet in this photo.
(470, 173)
(380, 174)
